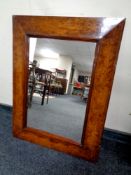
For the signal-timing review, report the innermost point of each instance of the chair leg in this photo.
(47, 99)
(30, 97)
(48, 93)
(43, 96)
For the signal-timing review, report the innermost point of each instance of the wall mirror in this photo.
(61, 76)
(63, 73)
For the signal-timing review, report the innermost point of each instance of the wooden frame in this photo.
(107, 34)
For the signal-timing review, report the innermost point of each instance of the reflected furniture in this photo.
(59, 83)
(78, 88)
(63, 83)
(60, 73)
(38, 82)
(85, 93)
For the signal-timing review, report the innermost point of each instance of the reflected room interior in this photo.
(58, 85)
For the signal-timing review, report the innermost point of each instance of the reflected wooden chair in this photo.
(43, 80)
(85, 93)
(31, 82)
(56, 88)
(39, 82)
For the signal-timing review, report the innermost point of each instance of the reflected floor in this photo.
(63, 115)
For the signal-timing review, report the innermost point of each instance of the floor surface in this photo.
(18, 157)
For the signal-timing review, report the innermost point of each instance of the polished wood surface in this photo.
(107, 33)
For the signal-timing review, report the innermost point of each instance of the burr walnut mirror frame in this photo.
(107, 34)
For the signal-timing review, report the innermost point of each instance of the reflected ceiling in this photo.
(81, 53)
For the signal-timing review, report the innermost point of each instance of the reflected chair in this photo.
(85, 93)
(56, 87)
(39, 82)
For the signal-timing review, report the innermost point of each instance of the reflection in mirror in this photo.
(58, 85)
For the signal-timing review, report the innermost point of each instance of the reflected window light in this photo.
(48, 63)
(32, 47)
(49, 53)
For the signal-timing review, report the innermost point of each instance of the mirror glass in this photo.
(58, 85)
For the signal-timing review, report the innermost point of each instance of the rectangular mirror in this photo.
(63, 70)
(60, 75)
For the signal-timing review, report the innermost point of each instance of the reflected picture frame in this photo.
(107, 34)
